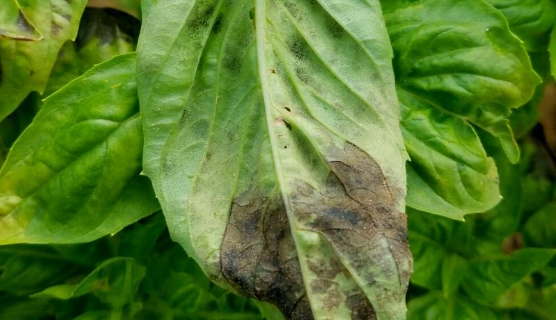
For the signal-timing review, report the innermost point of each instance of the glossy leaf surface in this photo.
(73, 175)
(447, 83)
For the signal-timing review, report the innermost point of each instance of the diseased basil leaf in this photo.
(447, 83)
(102, 35)
(272, 140)
(433, 306)
(25, 65)
(73, 175)
(530, 20)
(14, 24)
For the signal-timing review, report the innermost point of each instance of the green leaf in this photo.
(25, 65)
(433, 306)
(447, 83)
(14, 24)
(102, 35)
(449, 173)
(132, 7)
(26, 269)
(552, 52)
(489, 278)
(114, 282)
(272, 140)
(540, 229)
(530, 20)
(502, 220)
(454, 268)
(73, 175)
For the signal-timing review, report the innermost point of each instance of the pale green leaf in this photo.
(272, 139)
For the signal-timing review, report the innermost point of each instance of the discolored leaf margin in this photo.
(272, 140)
(14, 24)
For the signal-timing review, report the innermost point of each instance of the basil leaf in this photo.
(552, 52)
(443, 54)
(530, 20)
(433, 306)
(102, 35)
(14, 24)
(27, 269)
(73, 175)
(25, 65)
(487, 279)
(114, 282)
(272, 140)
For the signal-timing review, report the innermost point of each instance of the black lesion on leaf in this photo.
(298, 47)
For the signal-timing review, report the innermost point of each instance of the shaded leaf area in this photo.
(530, 20)
(132, 7)
(499, 264)
(14, 24)
(26, 65)
(103, 33)
(138, 273)
(448, 85)
(73, 175)
(272, 140)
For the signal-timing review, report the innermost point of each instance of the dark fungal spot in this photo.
(288, 125)
(298, 48)
(217, 26)
(288, 109)
(201, 17)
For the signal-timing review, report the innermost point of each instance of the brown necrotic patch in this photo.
(353, 211)
(258, 254)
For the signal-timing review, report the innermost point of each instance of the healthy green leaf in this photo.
(552, 52)
(272, 140)
(434, 306)
(73, 175)
(447, 82)
(540, 229)
(114, 282)
(530, 20)
(25, 65)
(487, 279)
(102, 35)
(502, 220)
(14, 24)
(26, 269)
